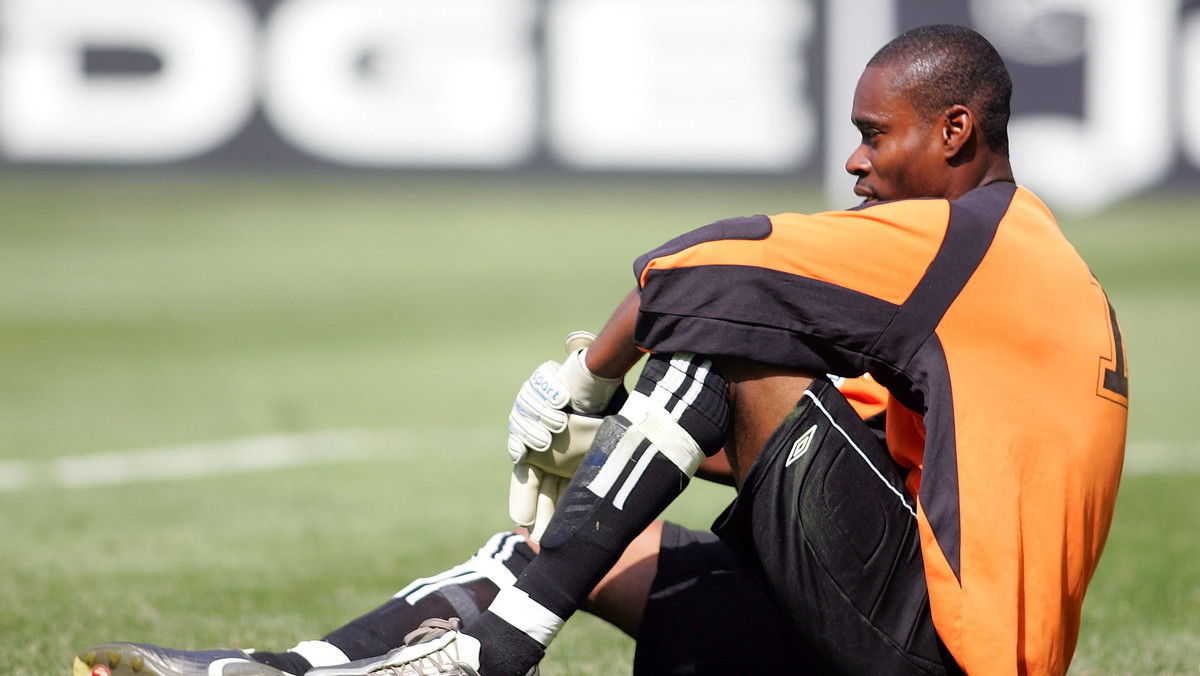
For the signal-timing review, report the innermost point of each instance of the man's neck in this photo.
(988, 170)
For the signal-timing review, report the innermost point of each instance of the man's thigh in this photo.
(708, 614)
(825, 519)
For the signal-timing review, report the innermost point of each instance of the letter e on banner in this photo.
(1124, 142)
(680, 84)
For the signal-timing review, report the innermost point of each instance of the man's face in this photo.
(901, 155)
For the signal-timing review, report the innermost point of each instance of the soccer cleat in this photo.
(437, 647)
(139, 659)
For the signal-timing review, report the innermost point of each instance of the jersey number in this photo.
(1114, 382)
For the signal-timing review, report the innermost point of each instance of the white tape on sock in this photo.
(320, 653)
(516, 608)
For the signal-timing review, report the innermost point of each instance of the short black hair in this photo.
(946, 65)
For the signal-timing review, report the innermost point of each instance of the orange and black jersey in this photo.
(1005, 368)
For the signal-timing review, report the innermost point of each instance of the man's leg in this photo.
(466, 590)
(640, 460)
(698, 617)
(672, 577)
(462, 591)
(620, 597)
(707, 613)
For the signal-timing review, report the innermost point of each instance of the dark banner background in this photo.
(1106, 105)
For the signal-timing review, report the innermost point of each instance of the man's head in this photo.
(932, 107)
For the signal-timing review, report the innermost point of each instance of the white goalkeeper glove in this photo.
(554, 418)
(541, 478)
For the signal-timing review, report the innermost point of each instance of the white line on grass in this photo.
(232, 457)
(237, 456)
(279, 451)
(15, 475)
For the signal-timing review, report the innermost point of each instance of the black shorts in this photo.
(817, 570)
(707, 614)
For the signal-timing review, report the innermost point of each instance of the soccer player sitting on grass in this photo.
(963, 544)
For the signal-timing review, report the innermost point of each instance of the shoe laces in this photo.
(431, 629)
(445, 661)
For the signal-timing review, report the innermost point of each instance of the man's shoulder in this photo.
(998, 193)
(756, 227)
(869, 217)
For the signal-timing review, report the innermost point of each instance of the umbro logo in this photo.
(801, 446)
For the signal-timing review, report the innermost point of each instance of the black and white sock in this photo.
(462, 591)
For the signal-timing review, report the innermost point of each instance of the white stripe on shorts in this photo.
(861, 454)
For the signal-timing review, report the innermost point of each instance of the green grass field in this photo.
(377, 329)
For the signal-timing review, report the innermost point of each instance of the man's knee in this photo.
(760, 397)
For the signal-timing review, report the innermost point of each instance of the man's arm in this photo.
(558, 410)
(613, 353)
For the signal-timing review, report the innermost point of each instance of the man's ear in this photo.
(958, 128)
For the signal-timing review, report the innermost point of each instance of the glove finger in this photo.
(523, 493)
(555, 421)
(537, 530)
(516, 447)
(529, 404)
(567, 448)
(530, 432)
(547, 500)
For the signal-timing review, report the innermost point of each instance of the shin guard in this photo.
(641, 459)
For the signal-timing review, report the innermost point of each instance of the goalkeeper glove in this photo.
(554, 418)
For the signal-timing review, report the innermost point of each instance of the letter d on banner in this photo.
(51, 110)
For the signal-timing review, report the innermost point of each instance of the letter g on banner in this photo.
(390, 83)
